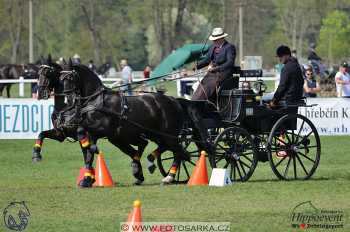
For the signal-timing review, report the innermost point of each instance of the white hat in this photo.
(76, 56)
(217, 33)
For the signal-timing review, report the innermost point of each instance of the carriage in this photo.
(241, 131)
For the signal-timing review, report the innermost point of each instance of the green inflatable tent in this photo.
(181, 56)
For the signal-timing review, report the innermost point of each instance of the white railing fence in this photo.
(137, 75)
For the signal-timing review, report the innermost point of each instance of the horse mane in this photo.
(84, 68)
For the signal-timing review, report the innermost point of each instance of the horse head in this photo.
(79, 80)
(49, 74)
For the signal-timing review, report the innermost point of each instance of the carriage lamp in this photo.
(245, 85)
(259, 87)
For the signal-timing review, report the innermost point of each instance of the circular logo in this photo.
(16, 216)
(124, 227)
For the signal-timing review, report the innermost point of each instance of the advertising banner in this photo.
(26, 118)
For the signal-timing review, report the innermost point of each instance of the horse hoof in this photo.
(151, 167)
(137, 170)
(168, 179)
(36, 158)
(138, 182)
(86, 182)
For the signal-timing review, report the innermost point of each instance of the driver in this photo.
(290, 88)
(220, 60)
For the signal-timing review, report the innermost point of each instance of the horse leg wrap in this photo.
(150, 161)
(88, 179)
(137, 172)
(84, 142)
(171, 176)
(37, 150)
(173, 170)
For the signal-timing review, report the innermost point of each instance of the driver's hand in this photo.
(212, 69)
(272, 104)
(194, 67)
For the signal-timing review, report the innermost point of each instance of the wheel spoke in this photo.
(186, 170)
(163, 159)
(247, 153)
(284, 143)
(225, 149)
(220, 158)
(313, 146)
(301, 127)
(295, 168)
(224, 152)
(250, 160)
(286, 136)
(244, 164)
(239, 172)
(191, 152)
(234, 172)
(240, 164)
(279, 149)
(306, 157)
(226, 165)
(302, 165)
(286, 170)
(191, 162)
(279, 162)
(178, 173)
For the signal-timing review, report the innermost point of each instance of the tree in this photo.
(89, 13)
(334, 36)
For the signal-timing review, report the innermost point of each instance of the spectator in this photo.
(61, 61)
(92, 66)
(147, 72)
(342, 81)
(126, 76)
(76, 59)
(312, 53)
(311, 86)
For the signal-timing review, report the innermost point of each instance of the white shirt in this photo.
(126, 74)
(343, 90)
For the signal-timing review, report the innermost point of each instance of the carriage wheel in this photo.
(234, 149)
(184, 170)
(294, 154)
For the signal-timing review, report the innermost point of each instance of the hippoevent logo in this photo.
(306, 216)
(16, 216)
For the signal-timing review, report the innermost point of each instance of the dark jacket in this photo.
(313, 56)
(224, 60)
(291, 83)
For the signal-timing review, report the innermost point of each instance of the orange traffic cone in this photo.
(135, 217)
(102, 175)
(82, 173)
(129, 217)
(200, 173)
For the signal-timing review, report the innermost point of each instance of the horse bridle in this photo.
(44, 84)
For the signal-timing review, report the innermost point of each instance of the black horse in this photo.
(10, 71)
(125, 121)
(49, 81)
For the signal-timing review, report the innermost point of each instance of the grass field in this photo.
(261, 204)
